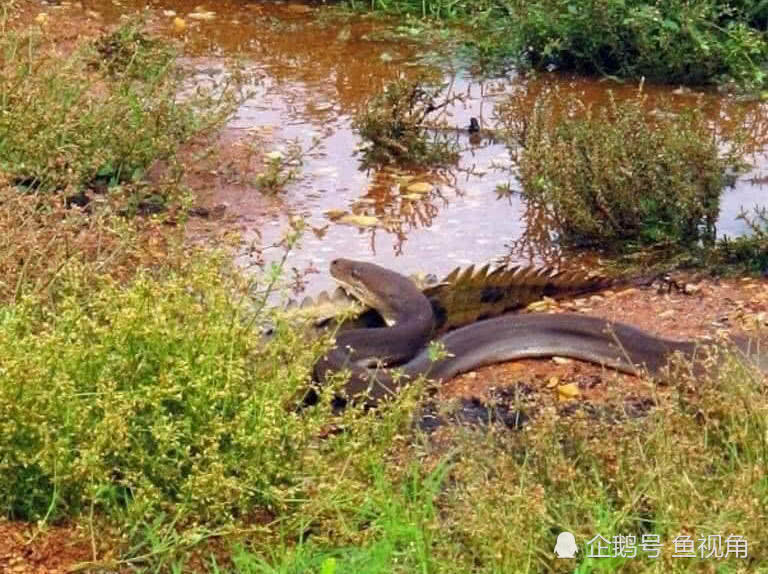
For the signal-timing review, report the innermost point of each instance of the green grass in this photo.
(616, 178)
(96, 119)
(673, 41)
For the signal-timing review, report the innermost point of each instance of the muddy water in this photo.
(316, 70)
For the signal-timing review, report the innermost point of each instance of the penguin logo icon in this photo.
(566, 545)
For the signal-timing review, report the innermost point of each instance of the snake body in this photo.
(506, 338)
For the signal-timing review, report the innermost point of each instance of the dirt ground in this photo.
(697, 308)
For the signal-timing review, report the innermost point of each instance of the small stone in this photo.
(553, 382)
(561, 360)
(691, 288)
(179, 24)
(568, 391)
(41, 18)
(596, 298)
(667, 313)
(169, 13)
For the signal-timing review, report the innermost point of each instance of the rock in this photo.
(569, 391)
(691, 288)
(561, 360)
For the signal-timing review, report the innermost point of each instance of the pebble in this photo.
(569, 391)
(691, 288)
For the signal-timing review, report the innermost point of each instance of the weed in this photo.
(392, 125)
(748, 251)
(282, 168)
(81, 125)
(675, 41)
(619, 179)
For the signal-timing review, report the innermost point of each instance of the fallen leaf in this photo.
(202, 15)
(359, 220)
(420, 187)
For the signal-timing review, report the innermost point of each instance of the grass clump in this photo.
(98, 118)
(392, 125)
(619, 179)
(748, 251)
(139, 396)
(674, 41)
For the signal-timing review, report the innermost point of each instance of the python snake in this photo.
(364, 352)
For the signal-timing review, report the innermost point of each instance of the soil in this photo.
(696, 308)
(54, 550)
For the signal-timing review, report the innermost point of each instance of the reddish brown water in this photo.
(318, 69)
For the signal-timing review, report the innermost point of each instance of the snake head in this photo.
(390, 293)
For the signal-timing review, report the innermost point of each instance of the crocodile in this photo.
(467, 295)
(366, 355)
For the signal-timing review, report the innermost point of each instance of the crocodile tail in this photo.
(466, 295)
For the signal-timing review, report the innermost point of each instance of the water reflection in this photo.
(317, 70)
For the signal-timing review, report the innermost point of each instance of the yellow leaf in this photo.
(420, 187)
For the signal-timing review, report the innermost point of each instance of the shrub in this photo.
(671, 41)
(145, 395)
(96, 118)
(618, 178)
(749, 251)
(392, 125)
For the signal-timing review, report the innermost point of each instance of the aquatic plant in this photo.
(393, 125)
(618, 178)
